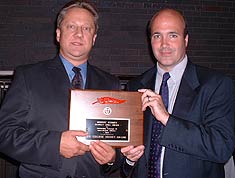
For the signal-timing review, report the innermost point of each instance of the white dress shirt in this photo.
(173, 86)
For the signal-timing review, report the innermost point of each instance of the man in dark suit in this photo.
(34, 114)
(197, 135)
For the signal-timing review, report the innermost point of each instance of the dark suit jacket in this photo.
(35, 112)
(199, 135)
(234, 157)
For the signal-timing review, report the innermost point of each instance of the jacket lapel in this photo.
(59, 83)
(93, 81)
(187, 91)
(57, 74)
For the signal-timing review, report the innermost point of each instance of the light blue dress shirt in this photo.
(69, 66)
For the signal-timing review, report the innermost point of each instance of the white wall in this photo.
(229, 169)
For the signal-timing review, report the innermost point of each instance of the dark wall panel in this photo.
(27, 33)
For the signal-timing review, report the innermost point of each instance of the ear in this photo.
(58, 35)
(186, 40)
(94, 38)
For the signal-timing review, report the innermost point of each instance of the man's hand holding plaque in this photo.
(69, 146)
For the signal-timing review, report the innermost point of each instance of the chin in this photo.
(166, 60)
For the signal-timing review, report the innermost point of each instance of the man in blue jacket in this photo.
(195, 132)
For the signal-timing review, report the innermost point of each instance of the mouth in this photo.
(166, 52)
(77, 43)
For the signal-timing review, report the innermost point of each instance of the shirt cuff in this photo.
(129, 162)
(110, 164)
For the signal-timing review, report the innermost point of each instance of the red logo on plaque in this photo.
(108, 100)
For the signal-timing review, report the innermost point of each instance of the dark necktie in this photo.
(77, 82)
(155, 147)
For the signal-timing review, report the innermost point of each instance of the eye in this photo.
(156, 36)
(71, 27)
(173, 35)
(86, 29)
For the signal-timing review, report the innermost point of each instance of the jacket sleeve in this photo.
(207, 130)
(19, 140)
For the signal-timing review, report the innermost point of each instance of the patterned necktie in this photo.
(77, 82)
(155, 147)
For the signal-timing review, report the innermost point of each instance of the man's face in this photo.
(76, 35)
(167, 39)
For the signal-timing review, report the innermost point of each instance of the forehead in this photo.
(168, 20)
(79, 14)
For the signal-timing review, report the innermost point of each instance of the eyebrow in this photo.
(171, 32)
(155, 33)
(174, 33)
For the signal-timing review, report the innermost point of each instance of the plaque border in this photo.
(79, 105)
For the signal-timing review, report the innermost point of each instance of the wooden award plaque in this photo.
(114, 117)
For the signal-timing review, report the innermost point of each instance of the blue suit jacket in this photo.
(34, 114)
(199, 135)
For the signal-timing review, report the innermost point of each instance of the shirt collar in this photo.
(69, 66)
(177, 72)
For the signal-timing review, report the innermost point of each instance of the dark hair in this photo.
(164, 9)
(84, 4)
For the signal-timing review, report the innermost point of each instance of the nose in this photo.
(78, 32)
(164, 41)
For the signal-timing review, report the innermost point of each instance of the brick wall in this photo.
(27, 33)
